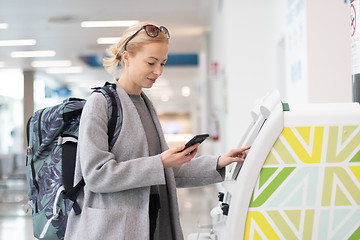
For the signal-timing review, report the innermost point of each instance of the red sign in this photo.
(213, 68)
(353, 20)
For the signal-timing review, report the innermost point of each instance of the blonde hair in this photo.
(115, 52)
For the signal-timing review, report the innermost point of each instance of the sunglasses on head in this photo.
(151, 31)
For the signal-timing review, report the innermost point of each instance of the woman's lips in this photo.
(152, 79)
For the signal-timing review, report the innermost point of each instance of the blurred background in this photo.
(223, 56)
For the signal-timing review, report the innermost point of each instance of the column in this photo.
(28, 99)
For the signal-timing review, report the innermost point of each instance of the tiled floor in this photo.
(14, 222)
(195, 205)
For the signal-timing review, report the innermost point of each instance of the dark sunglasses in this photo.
(151, 31)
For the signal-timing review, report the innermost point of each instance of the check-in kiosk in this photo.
(301, 178)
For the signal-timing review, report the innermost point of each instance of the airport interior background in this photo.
(223, 56)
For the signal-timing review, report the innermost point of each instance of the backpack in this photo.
(52, 135)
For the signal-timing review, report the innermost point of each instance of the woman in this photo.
(130, 192)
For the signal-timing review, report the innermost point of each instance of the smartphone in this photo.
(196, 139)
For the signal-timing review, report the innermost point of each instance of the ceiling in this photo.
(55, 25)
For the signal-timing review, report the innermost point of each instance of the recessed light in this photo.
(108, 40)
(10, 70)
(89, 24)
(64, 70)
(165, 98)
(4, 25)
(185, 91)
(56, 63)
(24, 54)
(21, 42)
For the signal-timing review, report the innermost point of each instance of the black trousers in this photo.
(154, 206)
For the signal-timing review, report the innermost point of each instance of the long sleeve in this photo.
(199, 172)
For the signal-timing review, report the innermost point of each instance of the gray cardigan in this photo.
(115, 199)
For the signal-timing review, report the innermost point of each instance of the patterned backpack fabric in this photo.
(52, 135)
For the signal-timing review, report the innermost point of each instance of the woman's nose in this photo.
(158, 70)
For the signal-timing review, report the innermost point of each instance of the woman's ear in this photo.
(125, 56)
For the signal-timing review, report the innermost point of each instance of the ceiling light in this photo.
(58, 63)
(86, 24)
(4, 25)
(108, 40)
(190, 31)
(10, 70)
(64, 70)
(23, 54)
(22, 42)
(185, 91)
(165, 98)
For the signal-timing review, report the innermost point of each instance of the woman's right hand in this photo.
(174, 158)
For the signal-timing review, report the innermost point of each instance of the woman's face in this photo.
(147, 65)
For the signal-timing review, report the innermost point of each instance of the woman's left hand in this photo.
(234, 155)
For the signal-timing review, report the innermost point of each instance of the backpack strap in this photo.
(114, 111)
(74, 193)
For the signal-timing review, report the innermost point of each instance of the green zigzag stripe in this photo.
(332, 156)
(284, 225)
(272, 187)
(356, 158)
(266, 173)
(346, 180)
(355, 235)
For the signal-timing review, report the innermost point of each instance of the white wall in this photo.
(248, 41)
(329, 51)
(217, 83)
(252, 30)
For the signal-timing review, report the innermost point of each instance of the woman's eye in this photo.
(151, 63)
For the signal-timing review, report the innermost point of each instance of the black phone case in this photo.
(196, 139)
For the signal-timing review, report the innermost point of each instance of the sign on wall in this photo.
(355, 48)
(355, 36)
(296, 52)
